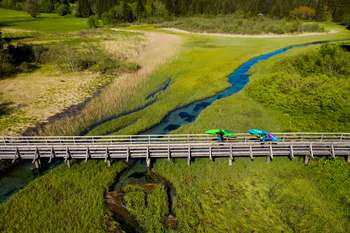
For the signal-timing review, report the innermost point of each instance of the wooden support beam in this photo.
(332, 151)
(148, 162)
(108, 158)
(17, 155)
(230, 160)
(291, 153)
(311, 151)
(52, 154)
(210, 153)
(271, 152)
(169, 153)
(251, 153)
(189, 156)
(148, 159)
(347, 158)
(36, 164)
(88, 154)
(68, 157)
(306, 160)
(36, 159)
(127, 154)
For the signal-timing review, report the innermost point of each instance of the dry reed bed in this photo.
(116, 97)
(36, 96)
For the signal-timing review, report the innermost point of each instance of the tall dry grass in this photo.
(123, 91)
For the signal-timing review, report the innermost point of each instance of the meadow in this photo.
(205, 60)
(62, 200)
(45, 22)
(248, 109)
(210, 196)
(284, 196)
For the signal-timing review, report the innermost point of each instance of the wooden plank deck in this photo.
(149, 147)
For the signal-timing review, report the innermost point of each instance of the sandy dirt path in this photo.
(233, 35)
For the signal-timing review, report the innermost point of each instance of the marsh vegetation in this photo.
(305, 89)
(312, 88)
(62, 200)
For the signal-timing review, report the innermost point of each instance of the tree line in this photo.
(129, 10)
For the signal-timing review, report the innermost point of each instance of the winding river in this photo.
(21, 175)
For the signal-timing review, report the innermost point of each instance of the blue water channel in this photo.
(238, 80)
(21, 175)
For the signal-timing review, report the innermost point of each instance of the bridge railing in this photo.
(166, 139)
(142, 151)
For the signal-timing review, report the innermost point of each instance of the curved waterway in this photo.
(19, 176)
(238, 80)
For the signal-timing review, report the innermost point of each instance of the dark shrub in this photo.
(6, 65)
(92, 21)
(63, 9)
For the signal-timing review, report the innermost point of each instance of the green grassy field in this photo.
(43, 23)
(62, 200)
(211, 197)
(207, 60)
(284, 196)
(243, 111)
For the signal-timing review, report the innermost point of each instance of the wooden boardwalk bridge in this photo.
(148, 147)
